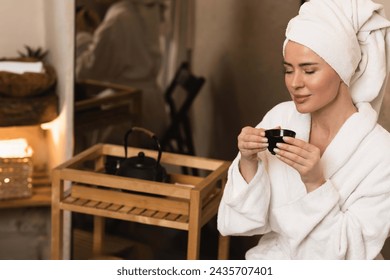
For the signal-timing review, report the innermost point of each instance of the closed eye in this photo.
(287, 70)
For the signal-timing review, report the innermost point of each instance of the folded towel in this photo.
(18, 67)
(353, 37)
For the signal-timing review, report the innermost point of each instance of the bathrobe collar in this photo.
(346, 141)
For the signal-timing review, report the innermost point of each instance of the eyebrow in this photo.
(301, 64)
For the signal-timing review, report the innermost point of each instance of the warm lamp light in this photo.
(15, 148)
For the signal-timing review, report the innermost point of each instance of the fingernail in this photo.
(279, 145)
(276, 150)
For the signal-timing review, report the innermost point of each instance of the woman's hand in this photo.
(303, 157)
(250, 142)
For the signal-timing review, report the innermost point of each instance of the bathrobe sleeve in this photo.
(346, 218)
(244, 207)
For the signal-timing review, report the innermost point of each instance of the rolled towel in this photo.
(353, 37)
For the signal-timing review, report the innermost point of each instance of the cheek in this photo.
(328, 85)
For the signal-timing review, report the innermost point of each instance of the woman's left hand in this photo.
(303, 157)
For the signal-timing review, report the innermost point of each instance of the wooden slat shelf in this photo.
(140, 215)
(41, 193)
(186, 202)
(132, 212)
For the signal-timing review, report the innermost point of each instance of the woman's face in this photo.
(311, 82)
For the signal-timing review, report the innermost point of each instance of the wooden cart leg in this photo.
(223, 241)
(98, 235)
(194, 226)
(223, 247)
(57, 229)
(193, 243)
(57, 218)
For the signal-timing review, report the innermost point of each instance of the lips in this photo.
(300, 98)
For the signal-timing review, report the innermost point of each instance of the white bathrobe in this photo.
(348, 217)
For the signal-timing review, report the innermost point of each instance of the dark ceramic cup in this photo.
(276, 136)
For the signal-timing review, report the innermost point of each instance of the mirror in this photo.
(122, 47)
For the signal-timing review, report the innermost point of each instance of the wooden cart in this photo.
(185, 203)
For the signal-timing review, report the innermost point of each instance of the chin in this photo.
(303, 109)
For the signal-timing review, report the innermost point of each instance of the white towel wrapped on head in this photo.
(353, 37)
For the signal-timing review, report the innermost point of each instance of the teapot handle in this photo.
(147, 132)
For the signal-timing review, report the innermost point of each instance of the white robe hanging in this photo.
(348, 217)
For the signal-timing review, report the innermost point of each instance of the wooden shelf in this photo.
(41, 194)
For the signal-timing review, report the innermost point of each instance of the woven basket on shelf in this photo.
(28, 83)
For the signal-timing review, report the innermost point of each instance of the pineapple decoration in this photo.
(37, 54)
(29, 83)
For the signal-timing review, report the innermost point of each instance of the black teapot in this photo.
(141, 166)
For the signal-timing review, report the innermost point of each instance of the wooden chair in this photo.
(179, 96)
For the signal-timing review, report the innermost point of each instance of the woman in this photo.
(326, 193)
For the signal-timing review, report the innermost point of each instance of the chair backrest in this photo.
(178, 136)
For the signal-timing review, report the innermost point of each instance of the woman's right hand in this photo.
(250, 142)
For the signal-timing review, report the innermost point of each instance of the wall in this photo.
(15, 21)
(238, 48)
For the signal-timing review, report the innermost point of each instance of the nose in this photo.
(296, 81)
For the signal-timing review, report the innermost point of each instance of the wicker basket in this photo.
(27, 84)
(15, 177)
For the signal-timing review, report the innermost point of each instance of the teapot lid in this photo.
(141, 161)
